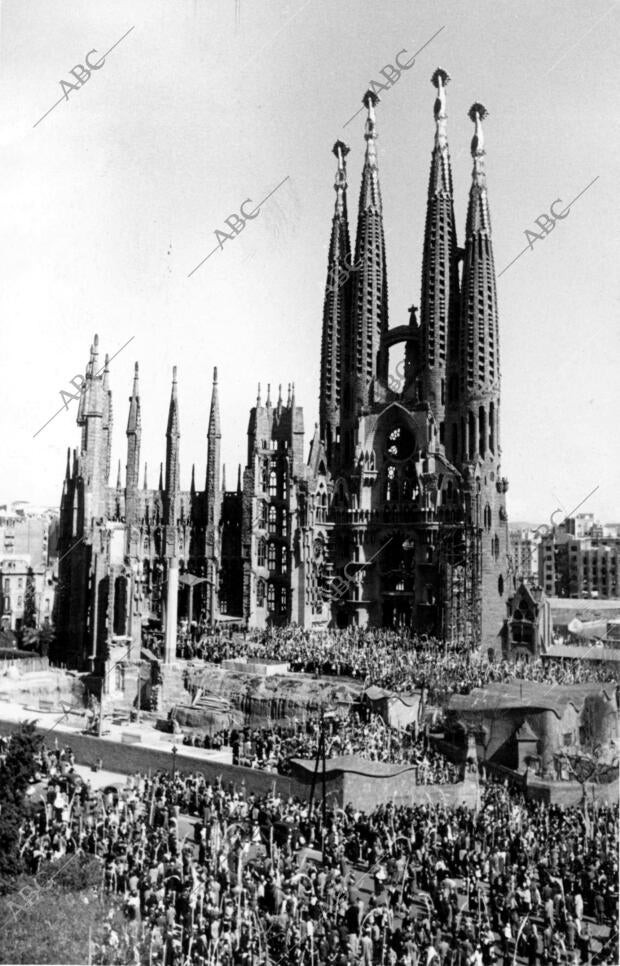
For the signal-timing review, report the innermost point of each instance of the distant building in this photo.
(28, 529)
(578, 560)
(524, 544)
(18, 579)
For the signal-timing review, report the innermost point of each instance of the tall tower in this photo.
(132, 470)
(95, 420)
(479, 390)
(336, 311)
(440, 282)
(213, 500)
(369, 310)
(171, 503)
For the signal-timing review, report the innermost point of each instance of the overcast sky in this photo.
(112, 199)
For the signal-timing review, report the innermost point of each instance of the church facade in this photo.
(397, 516)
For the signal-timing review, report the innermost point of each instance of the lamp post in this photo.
(174, 759)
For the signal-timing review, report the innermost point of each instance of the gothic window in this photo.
(492, 427)
(283, 599)
(482, 431)
(260, 592)
(391, 491)
(262, 552)
(284, 522)
(500, 585)
(487, 517)
(273, 522)
(400, 444)
(284, 566)
(496, 546)
(453, 389)
(273, 483)
(472, 435)
(271, 597)
(271, 556)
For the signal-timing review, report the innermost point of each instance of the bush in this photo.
(73, 873)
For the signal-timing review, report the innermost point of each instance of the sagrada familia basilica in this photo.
(396, 515)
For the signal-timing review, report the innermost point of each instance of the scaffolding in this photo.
(459, 553)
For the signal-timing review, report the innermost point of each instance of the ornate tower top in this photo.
(370, 100)
(439, 80)
(341, 150)
(477, 114)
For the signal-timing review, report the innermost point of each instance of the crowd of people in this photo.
(196, 873)
(391, 659)
(346, 733)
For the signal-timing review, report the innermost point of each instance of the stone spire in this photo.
(212, 489)
(369, 311)
(336, 309)
(134, 433)
(173, 436)
(440, 281)
(479, 342)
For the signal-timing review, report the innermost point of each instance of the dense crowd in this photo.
(419, 885)
(346, 733)
(391, 660)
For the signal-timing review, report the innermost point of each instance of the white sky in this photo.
(109, 203)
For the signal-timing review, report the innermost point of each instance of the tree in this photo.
(30, 601)
(20, 764)
(18, 767)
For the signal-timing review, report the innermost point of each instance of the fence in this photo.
(25, 664)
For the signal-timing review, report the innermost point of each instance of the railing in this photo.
(398, 514)
(25, 664)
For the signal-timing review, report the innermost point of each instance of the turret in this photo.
(336, 310)
(479, 343)
(134, 433)
(440, 282)
(369, 310)
(173, 436)
(214, 437)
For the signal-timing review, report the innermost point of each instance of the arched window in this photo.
(271, 597)
(273, 519)
(271, 556)
(120, 605)
(260, 592)
(487, 517)
(472, 436)
(284, 530)
(496, 546)
(482, 431)
(492, 426)
(262, 552)
(273, 483)
(284, 566)
(283, 600)
(500, 585)
(453, 389)
(391, 488)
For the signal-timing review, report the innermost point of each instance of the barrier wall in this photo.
(364, 790)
